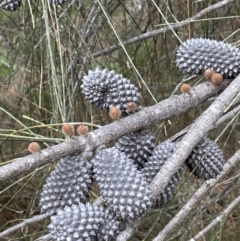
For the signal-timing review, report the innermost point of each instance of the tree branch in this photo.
(196, 197)
(218, 219)
(233, 113)
(22, 224)
(197, 131)
(164, 30)
(223, 193)
(229, 115)
(148, 116)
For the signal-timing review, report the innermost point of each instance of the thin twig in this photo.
(218, 219)
(223, 193)
(228, 116)
(44, 238)
(26, 222)
(196, 197)
(164, 30)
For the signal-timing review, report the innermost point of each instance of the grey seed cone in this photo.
(122, 186)
(196, 55)
(138, 146)
(10, 5)
(153, 166)
(206, 160)
(68, 184)
(105, 89)
(83, 222)
(111, 227)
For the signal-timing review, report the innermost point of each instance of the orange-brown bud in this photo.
(68, 130)
(34, 147)
(82, 130)
(217, 79)
(208, 73)
(131, 107)
(115, 113)
(185, 88)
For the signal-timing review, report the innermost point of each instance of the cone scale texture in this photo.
(106, 89)
(160, 155)
(10, 5)
(197, 55)
(206, 160)
(68, 184)
(83, 222)
(138, 146)
(122, 186)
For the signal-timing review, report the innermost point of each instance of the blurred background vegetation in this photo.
(46, 49)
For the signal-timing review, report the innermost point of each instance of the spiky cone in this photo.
(138, 146)
(68, 130)
(68, 184)
(206, 160)
(83, 222)
(154, 164)
(123, 187)
(111, 227)
(105, 89)
(82, 130)
(197, 55)
(10, 5)
(34, 147)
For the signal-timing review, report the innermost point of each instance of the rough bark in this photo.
(164, 110)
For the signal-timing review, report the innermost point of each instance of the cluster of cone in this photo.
(123, 173)
(13, 5)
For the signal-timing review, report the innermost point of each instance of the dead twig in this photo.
(164, 30)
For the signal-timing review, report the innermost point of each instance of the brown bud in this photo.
(217, 79)
(34, 147)
(208, 73)
(185, 88)
(82, 130)
(115, 113)
(68, 130)
(131, 107)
